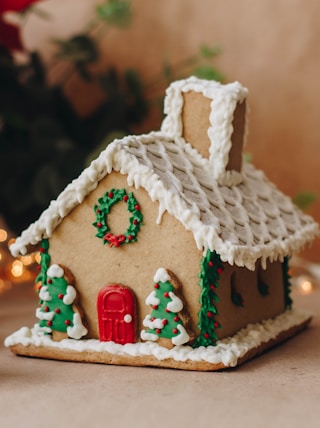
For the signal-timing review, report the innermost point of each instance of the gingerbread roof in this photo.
(243, 222)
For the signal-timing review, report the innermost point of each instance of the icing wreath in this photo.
(102, 210)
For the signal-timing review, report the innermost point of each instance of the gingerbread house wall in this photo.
(95, 265)
(167, 245)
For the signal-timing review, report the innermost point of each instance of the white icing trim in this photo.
(181, 338)
(55, 271)
(176, 304)
(44, 294)
(227, 351)
(152, 300)
(70, 295)
(78, 330)
(161, 275)
(41, 315)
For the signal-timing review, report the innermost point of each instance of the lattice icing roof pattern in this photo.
(243, 223)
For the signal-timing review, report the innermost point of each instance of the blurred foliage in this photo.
(44, 144)
(304, 200)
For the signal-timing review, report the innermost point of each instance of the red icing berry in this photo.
(219, 270)
(135, 222)
(130, 238)
(49, 323)
(212, 286)
(60, 296)
(98, 211)
(175, 331)
(46, 309)
(216, 324)
(210, 263)
(110, 194)
(42, 250)
(155, 307)
(67, 322)
(167, 310)
(206, 335)
(39, 267)
(57, 311)
(99, 225)
(49, 281)
(209, 314)
(166, 294)
(165, 322)
(125, 198)
(158, 330)
(156, 285)
(176, 318)
(137, 207)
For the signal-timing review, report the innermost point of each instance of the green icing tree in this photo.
(57, 296)
(211, 269)
(168, 317)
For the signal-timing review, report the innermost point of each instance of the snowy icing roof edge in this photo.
(114, 157)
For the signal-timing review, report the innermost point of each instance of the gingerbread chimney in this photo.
(212, 118)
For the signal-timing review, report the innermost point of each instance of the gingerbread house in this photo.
(169, 249)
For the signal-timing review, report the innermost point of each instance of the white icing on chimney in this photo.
(224, 101)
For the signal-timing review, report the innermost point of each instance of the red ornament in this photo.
(166, 295)
(216, 324)
(60, 296)
(167, 310)
(99, 225)
(220, 270)
(49, 281)
(46, 309)
(110, 194)
(165, 322)
(206, 335)
(49, 323)
(57, 311)
(67, 322)
(98, 211)
(41, 250)
(137, 207)
(210, 263)
(135, 221)
(212, 286)
(209, 314)
(175, 331)
(39, 267)
(125, 198)
(155, 307)
(158, 330)
(176, 318)
(130, 238)
(156, 285)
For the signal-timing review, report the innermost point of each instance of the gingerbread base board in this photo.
(229, 352)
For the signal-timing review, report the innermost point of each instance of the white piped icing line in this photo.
(176, 304)
(44, 294)
(152, 300)
(78, 330)
(55, 271)
(161, 275)
(70, 295)
(227, 351)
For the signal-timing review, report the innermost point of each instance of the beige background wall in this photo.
(271, 46)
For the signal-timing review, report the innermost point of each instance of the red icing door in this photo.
(117, 314)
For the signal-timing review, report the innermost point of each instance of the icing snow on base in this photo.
(227, 351)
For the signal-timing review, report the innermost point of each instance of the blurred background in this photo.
(75, 74)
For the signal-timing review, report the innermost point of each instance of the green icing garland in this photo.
(211, 269)
(102, 209)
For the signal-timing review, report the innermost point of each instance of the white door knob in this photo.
(127, 318)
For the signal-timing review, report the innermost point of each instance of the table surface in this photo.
(281, 388)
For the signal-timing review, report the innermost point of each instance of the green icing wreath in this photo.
(102, 210)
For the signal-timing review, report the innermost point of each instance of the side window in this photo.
(236, 297)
